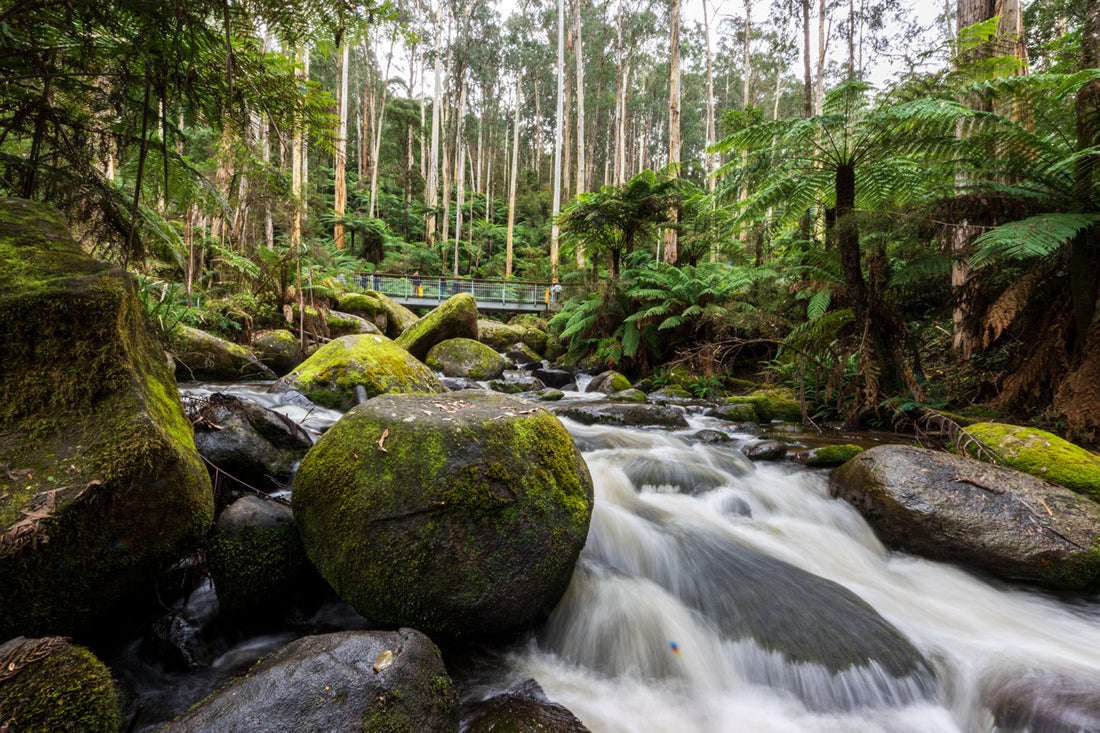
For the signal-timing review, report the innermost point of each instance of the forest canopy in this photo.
(879, 209)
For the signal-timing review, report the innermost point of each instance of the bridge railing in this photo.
(505, 292)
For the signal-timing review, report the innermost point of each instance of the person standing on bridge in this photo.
(555, 291)
(416, 284)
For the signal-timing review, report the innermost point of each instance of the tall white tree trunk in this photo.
(558, 119)
(432, 193)
(672, 249)
(378, 128)
(512, 182)
(460, 172)
(578, 48)
(341, 158)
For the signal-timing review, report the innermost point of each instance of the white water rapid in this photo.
(698, 606)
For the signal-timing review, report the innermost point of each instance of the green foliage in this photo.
(707, 387)
(162, 309)
(1038, 236)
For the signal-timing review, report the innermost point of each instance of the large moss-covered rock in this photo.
(771, 404)
(365, 305)
(332, 374)
(456, 317)
(496, 335)
(280, 350)
(202, 356)
(398, 317)
(369, 681)
(102, 486)
(255, 557)
(466, 358)
(522, 355)
(48, 685)
(1041, 454)
(952, 508)
(608, 382)
(461, 514)
(345, 324)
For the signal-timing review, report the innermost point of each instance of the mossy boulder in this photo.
(828, 456)
(463, 357)
(346, 324)
(608, 382)
(536, 338)
(778, 403)
(201, 356)
(255, 557)
(496, 335)
(956, 509)
(48, 685)
(737, 412)
(462, 514)
(1041, 454)
(370, 681)
(368, 306)
(398, 317)
(671, 393)
(280, 350)
(628, 395)
(456, 317)
(522, 355)
(556, 378)
(555, 349)
(102, 487)
(333, 373)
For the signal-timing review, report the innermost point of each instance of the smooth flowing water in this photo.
(719, 595)
(642, 640)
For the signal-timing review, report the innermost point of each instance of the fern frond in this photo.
(1036, 236)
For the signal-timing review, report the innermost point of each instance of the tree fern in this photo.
(1035, 237)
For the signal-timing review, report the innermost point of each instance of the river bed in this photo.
(636, 644)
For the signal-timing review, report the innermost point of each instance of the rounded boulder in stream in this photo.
(459, 514)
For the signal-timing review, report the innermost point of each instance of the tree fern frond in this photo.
(1036, 236)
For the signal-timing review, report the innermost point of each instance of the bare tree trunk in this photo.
(807, 77)
(581, 184)
(558, 120)
(512, 182)
(748, 56)
(341, 158)
(822, 49)
(712, 158)
(460, 169)
(672, 249)
(432, 183)
(378, 128)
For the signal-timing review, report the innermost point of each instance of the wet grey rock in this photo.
(621, 413)
(1043, 704)
(955, 509)
(766, 450)
(521, 709)
(458, 383)
(711, 436)
(351, 680)
(556, 378)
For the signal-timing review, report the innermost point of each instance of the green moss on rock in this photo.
(201, 356)
(772, 404)
(279, 349)
(461, 357)
(497, 336)
(829, 455)
(456, 317)
(492, 484)
(101, 458)
(330, 376)
(1041, 454)
(62, 688)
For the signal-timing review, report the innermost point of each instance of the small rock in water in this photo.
(766, 450)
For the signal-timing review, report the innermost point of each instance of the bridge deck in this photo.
(491, 295)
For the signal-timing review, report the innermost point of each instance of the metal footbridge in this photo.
(512, 296)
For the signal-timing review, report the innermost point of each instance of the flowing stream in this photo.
(719, 595)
